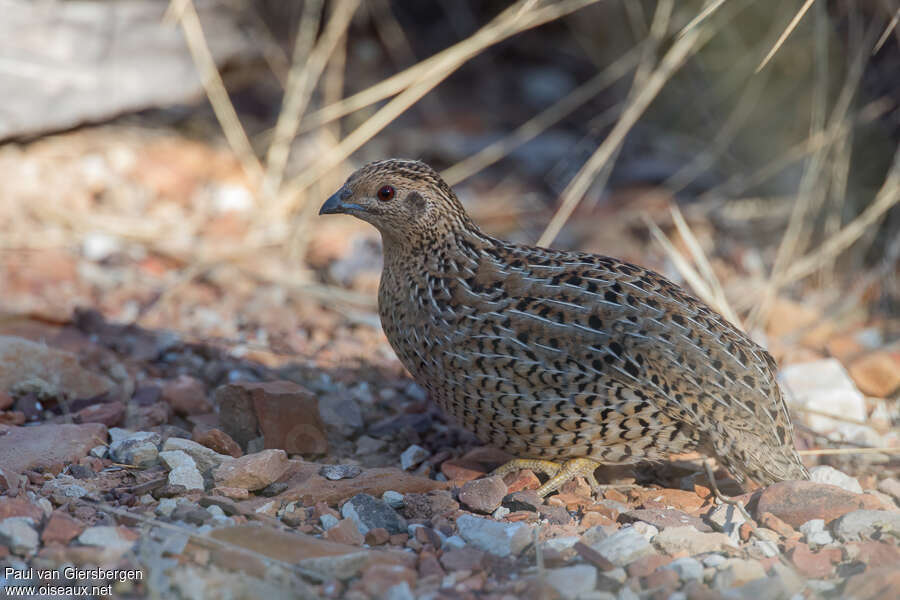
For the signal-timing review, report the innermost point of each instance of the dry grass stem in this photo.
(702, 16)
(186, 13)
(833, 451)
(784, 34)
(891, 26)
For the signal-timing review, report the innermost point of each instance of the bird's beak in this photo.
(337, 203)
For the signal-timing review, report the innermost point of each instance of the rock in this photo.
(342, 414)
(413, 457)
(284, 413)
(825, 386)
(796, 502)
(483, 495)
(727, 519)
(19, 536)
(523, 500)
(817, 565)
(662, 518)
(253, 471)
(337, 472)
(457, 469)
(770, 521)
(377, 579)
(891, 487)
(687, 539)
(624, 546)
(187, 396)
(877, 374)
(738, 571)
(182, 469)
(393, 499)
(646, 565)
(874, 584)
(205, 459)
(646, 529)
(139, 449)
(831, 476)
(61, 528)
(47, 447)
(115, 541)
(874, 553)
(344, 531)
(463, 559)
(499, 539)
(366, 445)
(572, 582)
(864, 523)
(688, 568)
(10, 481)
(20, 507)
(108, 413)
(50, 371)
(371, 513)
(63, 488)
(218, 441)
(377, 536)
(814, 531)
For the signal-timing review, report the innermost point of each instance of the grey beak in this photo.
(333, 205)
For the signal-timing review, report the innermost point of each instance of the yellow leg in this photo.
(559, 473)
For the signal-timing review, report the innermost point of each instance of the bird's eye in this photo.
(386, 193)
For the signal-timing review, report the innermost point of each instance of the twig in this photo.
(887, 31)
(702, 16)
(831, 451)
(784, 34)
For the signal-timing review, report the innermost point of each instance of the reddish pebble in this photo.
(378, 536)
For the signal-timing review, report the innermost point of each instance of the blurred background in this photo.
(163, 162)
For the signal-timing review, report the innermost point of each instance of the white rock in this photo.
(413, 457)
(500, 512)
(494, 537)
(183, 470)
(453, 542)
(687, 568)
(98, 451)
(393, 499)
(106, 537)
(830, 475)
(400, 591)
(728, 519)
(624, 546)
(18, 534)
(328, 521)
(232, 198)
(646, 529)
(559, 544)
(206, 459)
(738, 571)
(98, 246)
(768, 548)
(140, 449)
(864, 523)
(572, 582)
(166, 507)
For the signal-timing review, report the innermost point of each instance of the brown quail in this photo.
(565, 359)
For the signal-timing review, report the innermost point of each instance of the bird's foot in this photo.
(559, 473)
(707, 466)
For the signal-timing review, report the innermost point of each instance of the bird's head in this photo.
(403, 199)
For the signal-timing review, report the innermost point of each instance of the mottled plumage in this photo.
(554, 355)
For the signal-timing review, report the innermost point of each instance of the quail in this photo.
(565, 360)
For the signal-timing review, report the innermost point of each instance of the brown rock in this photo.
(345, 532)
(688, 502)
(770, 521)
(61, 528)
(231, 492)
(12, 417)
(218, 440)
(399, 539)
(429, 566)
(458, 469)
(874, 584)
(875, 553)
(647, 564)
(796, 502)
(816, 565)
(253, 471)
(569, 501)
(20, 507)
(5, 400)
(483, 495)
(661, 518)
(378, 536)
(379, 578)
(664, 578)
(877, 374)
(187, 396)
(463, 559)
(48, 447)
(521, 480)
(56, 371)
(592, 518)
(108, 413)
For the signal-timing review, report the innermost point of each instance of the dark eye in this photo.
(386, 193)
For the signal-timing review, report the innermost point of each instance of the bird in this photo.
(566, 360)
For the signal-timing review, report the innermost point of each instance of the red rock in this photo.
(463, 559)
(9, 481)
(592, 519)
(253, 471)
(20, 507)
(770, 521)
(231, 492)
(647, 565)
(142, 418)
(285, 413)
(378, 536)
(48, 447)
(796, 502)
(5, 400)
(874, 584)
(379, 578)
(186, 395)
(875, 553)
(569, 501)
(616, 495)
(816, 565)
(108, 413)
(429, 565)
(877, 374)
(12, 417)
(664, 578)
(689, 502)
(457, 469)
(521, 480)
(662, 518)
(61, 528)
(399, 539)
(345, 532)
(218, 440)
(483, 495)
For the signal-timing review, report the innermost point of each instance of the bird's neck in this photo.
(438, 251)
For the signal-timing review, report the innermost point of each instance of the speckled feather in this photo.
(557, 355)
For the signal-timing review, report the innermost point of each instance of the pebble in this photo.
(328, 521)
(687, 539)
(252, 471)
(831, 476)
(814, 531)
(864, 523)
(139, 449)
(494, 537)
(624, 546)
(891, 487)
(687, 568)
(18, 534)
(453, 542)
(393, 499)
(205, 459)
(369, 512)
(61, 528)
(106, 537)
(500, 513)
(796, 502)
(765, 548)
(462, 559)
(646, 529)
(738, 571)
(713, 560)
(183, 470)
(727, 519)
(338, 472)
(64, 487)
(98, 451)
(413, 457)
(572, 582)
(483, 495)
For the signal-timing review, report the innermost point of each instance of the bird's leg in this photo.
(722, 497)
(547, 467)
(559, 473)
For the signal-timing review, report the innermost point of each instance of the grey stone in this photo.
(337, 472)
(341, 414)
(367, 445)
(815, 532)
(413, 457)
(494, 537)
(393, 499)
(182, 469)
(400, 591)
(205, 459)
(65, 486)
(18, 534)
(166, 507)
(738, 571)
(624, 546)
(864, 523)
(830, 475)
(328, 521)
(106, 537)
(687, 539)
(139, 449)
(646, 529)
(453, 542)
(559, 544)
(891, 487)
(687, 568)
(572, 582)
(727, 519)
(98, 452)
(369, 513)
